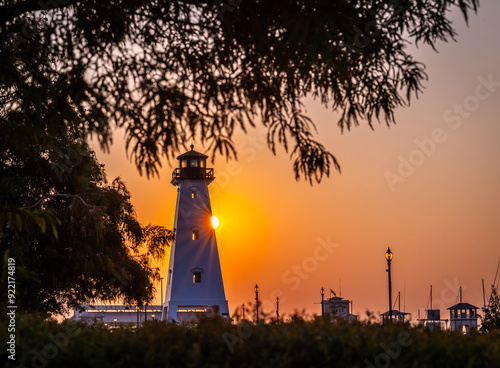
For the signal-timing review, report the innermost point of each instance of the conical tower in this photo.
(194, 281)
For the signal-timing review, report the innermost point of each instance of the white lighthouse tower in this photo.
(194, 281)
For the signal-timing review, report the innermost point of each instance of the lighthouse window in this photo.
(183, 163)
(196, 234)
(194, 163)
(202, 163)
(194, 194)
(196, 277)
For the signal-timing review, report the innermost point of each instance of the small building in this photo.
(463, 317)
(117, 315)
(338, 308)
(397, 316)
(433, 320)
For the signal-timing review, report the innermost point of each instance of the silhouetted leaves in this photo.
(75, 235)
(490, 321)
(215, 343)
(170, 71)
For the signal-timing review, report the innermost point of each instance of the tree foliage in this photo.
(167, 71)
(490, 321)
(74, 236)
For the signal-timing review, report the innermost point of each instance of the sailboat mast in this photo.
(484, 298)
(404, 304)
(496, 274)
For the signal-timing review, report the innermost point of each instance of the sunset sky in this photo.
(428, 187)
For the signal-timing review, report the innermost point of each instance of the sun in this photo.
(215, 222)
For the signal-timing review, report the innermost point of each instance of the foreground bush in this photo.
(218, 344)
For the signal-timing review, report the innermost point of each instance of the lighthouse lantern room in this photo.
(194, 281)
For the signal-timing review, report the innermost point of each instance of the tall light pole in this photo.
(388, 256)
(322, 302)
(243, 308)
(256, 289)
(277, 308)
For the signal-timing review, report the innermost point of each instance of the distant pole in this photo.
(322, 302)
(145, 312)
(277, 308)
(256, 289)
(243, 309)
(460, 294)
(388, 257)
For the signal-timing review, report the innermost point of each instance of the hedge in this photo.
(215, 343)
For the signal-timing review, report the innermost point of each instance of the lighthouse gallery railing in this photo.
(193, 173)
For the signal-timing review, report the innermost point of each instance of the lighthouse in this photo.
(194, 281)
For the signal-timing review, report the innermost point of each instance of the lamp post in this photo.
(115, 322)
(256, 289)
(322, 302)
(277, 308)
(388, 257)
(243, 309)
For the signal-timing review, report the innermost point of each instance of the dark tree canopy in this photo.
(490, 321)
(74, 236)
(169, 71)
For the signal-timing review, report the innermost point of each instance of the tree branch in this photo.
(60, 195)
(9, 12)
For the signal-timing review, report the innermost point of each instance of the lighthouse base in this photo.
(187, 311)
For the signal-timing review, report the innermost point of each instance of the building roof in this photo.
(192, 154)
(395, 312)
(463, 306)
(336, 299)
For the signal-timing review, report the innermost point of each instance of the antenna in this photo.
(460, 294)
(340, 287)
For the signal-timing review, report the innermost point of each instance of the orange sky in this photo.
(440, 216)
